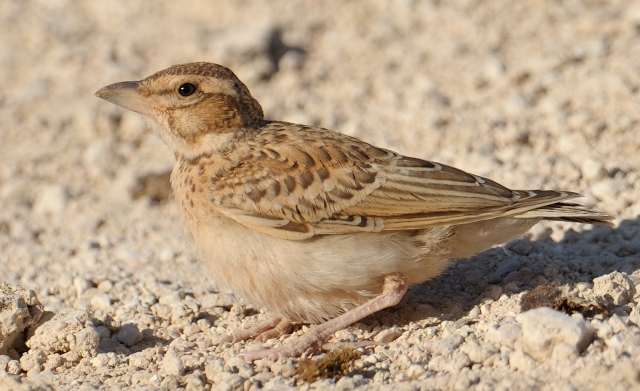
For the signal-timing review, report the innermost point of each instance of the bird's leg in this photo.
(394, 288)
(262, 331)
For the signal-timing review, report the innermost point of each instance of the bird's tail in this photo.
(564, 211)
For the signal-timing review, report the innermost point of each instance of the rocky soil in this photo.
(99, 289)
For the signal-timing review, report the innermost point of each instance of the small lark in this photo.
(314, 225)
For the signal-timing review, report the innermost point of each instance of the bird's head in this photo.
(198, 107)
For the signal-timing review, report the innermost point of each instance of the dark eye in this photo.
(186, 89)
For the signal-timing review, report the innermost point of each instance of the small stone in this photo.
(51, 200)
(381, 376)
(19, 311)
(166, 254)
(32, 360)
(70, 333)
(212, 300)
(100, 301)
(635, 318)
(4, 360)
(213, 367)
(191, 329)
(349, 383)
(13, 367)
(129, 335)
(544, 328)
(593, 170)
(505, 335)
(388, 335)
(478, 353)
(564, 352)
(163, 311)
(139, 360)
(171, 298)
(109, 345)
(444, 346)
(493, 292)
(53, 361)
(370, 359)
(414, 371)
(510, 287)
(616, 286)
(240, 366)
(81, 285)
(460, 360)
(105, 286)
(603, 329)
(171, 363)
(608, 188)
(103, 331)
(193, 382)
(521, 361)
(170, 382)
(475, 312)
(231, 383)
(616, 323)
(566, 169)
(285, 369)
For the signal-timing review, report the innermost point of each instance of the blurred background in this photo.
(532, 94)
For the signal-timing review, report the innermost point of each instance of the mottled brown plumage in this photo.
(312, 224)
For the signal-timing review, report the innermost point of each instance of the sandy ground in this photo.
(533, 94)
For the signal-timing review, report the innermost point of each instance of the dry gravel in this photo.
(530, 93)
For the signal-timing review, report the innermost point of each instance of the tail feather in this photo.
(562, 211)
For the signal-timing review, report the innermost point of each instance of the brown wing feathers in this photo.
(297, 190)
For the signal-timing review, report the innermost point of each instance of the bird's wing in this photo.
(295, 183)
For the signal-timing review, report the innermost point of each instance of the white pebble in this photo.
(51, 200)
(81, 285)
(100, 301)
(139, 360)
(105, 286)
(233, 382)
(13, 367)
(608, 189)
(414, 371)
(616, 285)
(171, 363)
(592, 170)
(4, 360)
(388, 335)
(544, 328)
(521, 361)
(444, 346)
(635, 318)
(617, 324)
(505, 335)
(171, 298)
(166, 255)
(129, 335)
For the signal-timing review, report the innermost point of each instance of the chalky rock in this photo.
(69, 333)
(547, 333)
(19, 310)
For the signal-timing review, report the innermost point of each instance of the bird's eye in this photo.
(186, 89)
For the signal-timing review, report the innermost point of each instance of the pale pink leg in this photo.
(262, 331)
(283, 327)
(394, 288)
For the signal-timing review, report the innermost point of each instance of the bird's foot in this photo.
(261, 331)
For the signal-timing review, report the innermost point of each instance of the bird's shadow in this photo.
(517, 267)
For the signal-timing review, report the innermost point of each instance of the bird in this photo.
(316, 226)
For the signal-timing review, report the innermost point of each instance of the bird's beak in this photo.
(127, 94)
